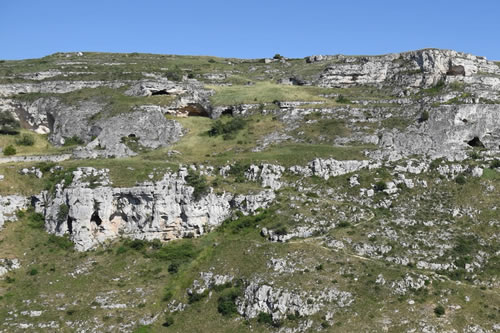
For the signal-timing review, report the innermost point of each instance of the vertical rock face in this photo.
(448, 132)
(163, 210)
(422, 68)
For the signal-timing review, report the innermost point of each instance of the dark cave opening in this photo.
(96, 219)
(69, 221)
(159, 92)
(194, 110)
(475, 142)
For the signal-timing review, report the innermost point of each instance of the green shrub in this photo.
(474, 155)
(342, 99)
(380, 186)
(228, 130)
(61, 242)
(439, 310)
(495, 164)
(278, 56)
(177, 253)
(73, 141)
(195, 297)
(58, 176)
(173, 268)
(344, 224)
(198, 182)
(460, 179)
(136, 244)
(243, 223)
(167, 296)
(33, 271)
(435, 163)
(8, 124)
(169, 321)
(122, 249)
(9, 279)
(9, 150)
(238, 170)
(226, 304)
(265, 318)
(63, 212)
(26, 140)
(35, 220)
(424, 116)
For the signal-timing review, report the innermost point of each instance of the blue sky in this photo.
(247, 29)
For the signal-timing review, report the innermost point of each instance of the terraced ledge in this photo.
(35, 158)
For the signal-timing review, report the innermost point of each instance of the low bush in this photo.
(33, 271)
(9, 150)
(242, 222)
(380, 186)
(229, 129)
(26, 140)
(169, 321)
(424, 116)
(195, 297)
(63, 212)
(35, 220)
(495, 164)
(199, 183)
(226, 304)
(238, 170)
(460, 180)
(439, 310)
(73, 141)
(61, 242)
(265, 318)
(342, 99)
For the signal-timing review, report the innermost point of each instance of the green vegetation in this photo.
(199, 184)
(439, 310)
(229, 129)
(9, 150)
(26, 140)
(460, 179)
(73, 141)
(8, 124)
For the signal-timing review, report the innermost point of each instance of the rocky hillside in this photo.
(149, 193)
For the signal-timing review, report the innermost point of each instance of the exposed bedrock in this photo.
(449, 132)
(165, 210)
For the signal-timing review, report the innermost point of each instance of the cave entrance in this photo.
(475, 142)
(228, 111)
(96, 219)
(69, 222)
(159, 92)
(194, 110)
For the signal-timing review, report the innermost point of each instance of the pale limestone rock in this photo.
(163, 210)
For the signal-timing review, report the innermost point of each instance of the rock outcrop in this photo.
(263, 298)
(449, 132)
(9, 205)
(326, 168)
(417, 69)
(91, 213)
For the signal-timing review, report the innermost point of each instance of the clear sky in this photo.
(247, 29)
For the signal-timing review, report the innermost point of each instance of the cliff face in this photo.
(92, 213)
